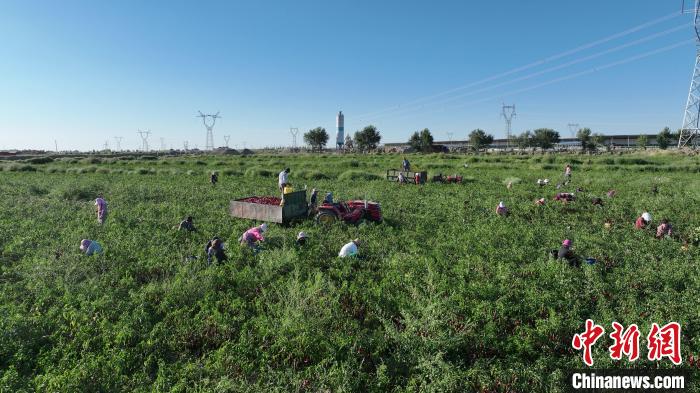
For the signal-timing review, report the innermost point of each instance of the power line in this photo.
(542, 72)
(567, 77)
(527, 66)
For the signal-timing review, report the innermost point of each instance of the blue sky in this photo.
(83, 72)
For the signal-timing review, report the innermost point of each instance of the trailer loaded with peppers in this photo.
(293, 206)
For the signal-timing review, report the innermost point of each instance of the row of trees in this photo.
(368, 139)
(364, 140)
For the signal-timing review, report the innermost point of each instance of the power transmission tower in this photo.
(294, 131)
(162, 144)
(573, 127)
(118, 139)
(186, 145)
(691, 119)
(55, 142)
(106, 145)
(508, 113)
(210, 128)
(144, 138)
(449, 136)
(226, 139)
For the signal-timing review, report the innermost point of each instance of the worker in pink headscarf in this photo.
(252, 236)
(101, 205)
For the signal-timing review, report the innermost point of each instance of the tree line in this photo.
(369, 137)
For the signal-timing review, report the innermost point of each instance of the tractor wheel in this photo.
(325, 218)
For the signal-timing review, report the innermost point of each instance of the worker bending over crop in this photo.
(101, 205)
(664, 229)
(214, 178)
(501, 209)
(566, 252)
(643, 221)
(301, 239)
(90, 247)
(350, 249)
(215, 248)
(565, 196)
(252, 236)
(187, 225)
(567, 174)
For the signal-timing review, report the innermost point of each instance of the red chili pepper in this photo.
(264, 200)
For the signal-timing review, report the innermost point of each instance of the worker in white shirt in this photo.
(283, 179)
(350, 249)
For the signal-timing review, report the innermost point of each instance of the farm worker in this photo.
(540, 202)
(567, 172)
(301, 239)
(406, 165)
(253, 235)
(187, 225)
(313, 200)
(565, 196)
(283, 178)
(401, 178)
(214, 178)
(501, 209)
(101, 210)
(509, 185)
(541, 183)
(664, 229)
(643, 221)
(90, 247)
(350, 249)
(216, 249)
(597, 201)
(329, 198)
(565, 252)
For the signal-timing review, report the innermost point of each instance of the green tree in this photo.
(421, 141)
(545, 138)
(597, 140)
(479, 139)
(524, 140)
(367, 139)
(316, 138)
(584, 135)
(642, 141)
(664, 138)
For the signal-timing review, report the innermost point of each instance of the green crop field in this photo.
(445, 296)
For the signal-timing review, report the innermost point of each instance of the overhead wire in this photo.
(525, 67)
(541, 72)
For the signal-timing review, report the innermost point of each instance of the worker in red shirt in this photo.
(643, 221)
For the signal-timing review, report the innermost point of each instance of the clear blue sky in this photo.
(83, 72)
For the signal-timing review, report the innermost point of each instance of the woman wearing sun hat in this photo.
(565, 252)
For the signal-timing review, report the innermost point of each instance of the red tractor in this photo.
(350, 211)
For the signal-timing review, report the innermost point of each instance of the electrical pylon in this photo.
(144, 138)
(691, 118)
(508, 113)
(210, 128)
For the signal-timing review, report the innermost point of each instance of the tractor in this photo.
(447, 179)
(350, 212)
